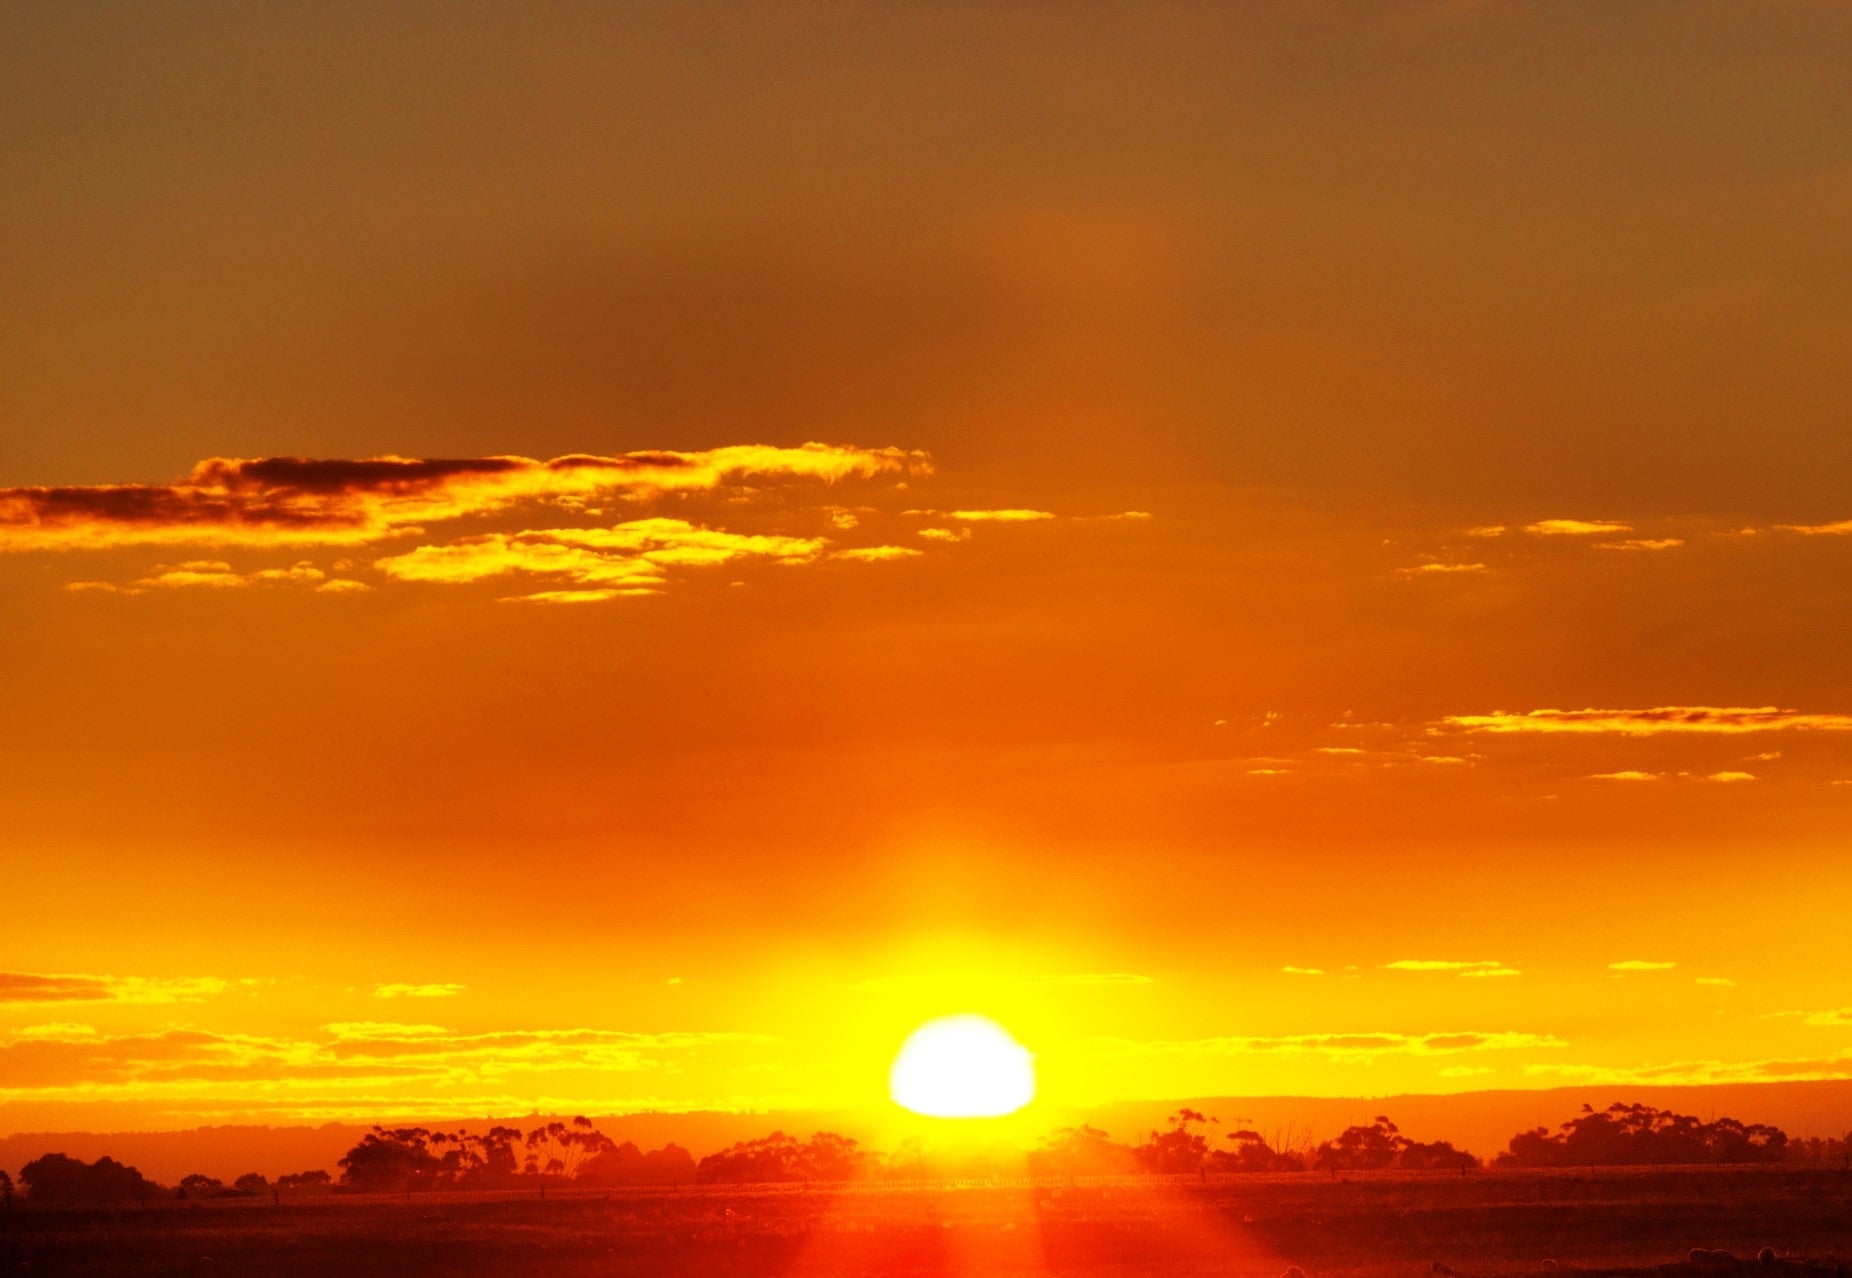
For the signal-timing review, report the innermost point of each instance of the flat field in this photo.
(1368, 1226)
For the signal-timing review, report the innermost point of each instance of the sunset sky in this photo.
(587, 559)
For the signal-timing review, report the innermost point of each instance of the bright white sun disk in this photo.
(962, 1067)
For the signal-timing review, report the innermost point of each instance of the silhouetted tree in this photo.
(314, 1181)
(558, 1148)
(1433, 1156)
(252, 1183)
(1362, 1148)
(1639, 1135)
(60, 1180)
(1252, 1153)
(198, 1185)
(1176, 1149)
(6, 1189)
(395, 1160)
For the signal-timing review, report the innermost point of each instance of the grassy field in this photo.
(1367, 1226)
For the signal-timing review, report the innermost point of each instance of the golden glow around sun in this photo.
(962, 1067)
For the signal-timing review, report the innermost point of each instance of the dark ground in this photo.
(1388, 1226)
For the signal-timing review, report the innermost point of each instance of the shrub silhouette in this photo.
(625, 1164)
(1080, 1151)
(782, 1158)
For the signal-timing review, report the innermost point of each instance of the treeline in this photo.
(386, 1160)
(576, 1153)
(1185, 1147)
(406, 1159)
(1641, 1136)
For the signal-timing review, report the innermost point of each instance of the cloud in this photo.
(1439, 570)
(1576, 527)
(277, 501)
(1487, 530)
(624, 560)
(1010, 516)
(946, 534)
(576, 596)
(446, 990)
(1447, 965)
(75, 1062)
(1659, 719)
(1303, 971)
(1628, 776)
(1641, 965)
(1030, 980)
(1702, 1071)
(1729, 777)
(1482, 973)
(1651, 543)
(1337, 1046)
(1839, 528)
(1723, 982)
(1835, 1018)
(876, 554)
(25, 987)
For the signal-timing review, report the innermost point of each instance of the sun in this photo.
(962, 1067)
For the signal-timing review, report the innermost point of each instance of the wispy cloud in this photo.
(1576, 527)
(1005, 516)
(1698, 1072)
(1336, 1046)
(1440, 569)
(1658, 719)
(1459, 966)
(1642, 543)
(1031, 980)
(1641, 965)
(446, 990)
(278, 501)
(1628, 775)
(1838, 528)
(635, 558)
(75, 1061)
(27, 987)
(876, 554)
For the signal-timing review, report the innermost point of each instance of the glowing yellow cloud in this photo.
(1576, 527)
(1659, 719)
(279, 501)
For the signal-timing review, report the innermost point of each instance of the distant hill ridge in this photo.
(1478, 1121)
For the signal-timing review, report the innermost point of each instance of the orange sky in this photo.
(1295, 550)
